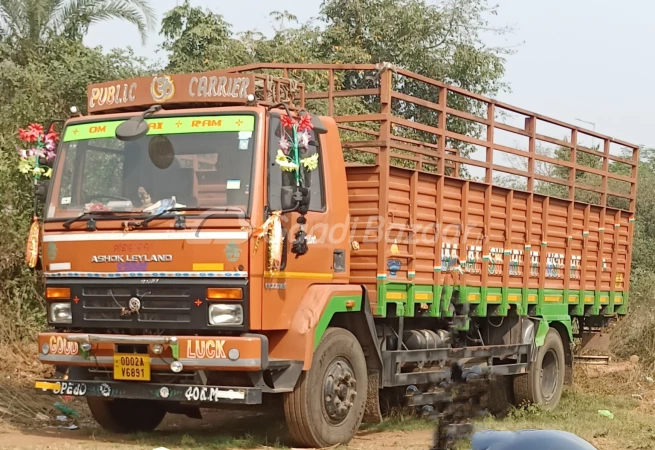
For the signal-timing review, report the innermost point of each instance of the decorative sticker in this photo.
(164, 125)
(52, 251)
(132, 266)
(105, 390)
(243, 144)
(65, 200)
(232, 252)
(71, 388)
(394, 266)
(233, 184)
(245, 135)
(208, 267)
(206, 349)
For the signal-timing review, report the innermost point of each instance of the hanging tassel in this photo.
(32, 250)
(273, 228)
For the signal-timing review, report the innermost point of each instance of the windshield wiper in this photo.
(144, 223)
(180, 223)
(90, 224)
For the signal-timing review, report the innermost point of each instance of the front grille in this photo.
(158, 304)
(167, 304)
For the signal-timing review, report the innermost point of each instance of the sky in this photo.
(592, 60)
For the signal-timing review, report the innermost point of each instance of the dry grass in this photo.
(635, 334)
(19, 367)
(20, 407)
(623, 388)
(597, 387)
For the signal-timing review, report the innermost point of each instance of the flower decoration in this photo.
(284, 162)
(271, 229)
(40, 146)
(294, 142)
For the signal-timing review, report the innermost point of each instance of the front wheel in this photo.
(126, 415)
(544, 384)
(327, 406)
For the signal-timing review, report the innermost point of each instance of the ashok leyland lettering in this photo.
(209, 241)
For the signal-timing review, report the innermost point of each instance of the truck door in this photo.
(283, 290)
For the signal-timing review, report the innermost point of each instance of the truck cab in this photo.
(155, 291)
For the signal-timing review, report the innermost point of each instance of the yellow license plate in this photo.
(131, 367)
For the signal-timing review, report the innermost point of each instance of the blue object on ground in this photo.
(529, 439)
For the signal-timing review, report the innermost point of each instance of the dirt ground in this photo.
(182, 433)
(68, 440)
(622, 389)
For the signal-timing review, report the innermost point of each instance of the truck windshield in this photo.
(193, 162)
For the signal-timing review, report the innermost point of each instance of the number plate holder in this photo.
(131, 367)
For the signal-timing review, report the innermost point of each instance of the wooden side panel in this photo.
(536, 234)
(557, 223)
(609, 252)
(519, 257)
(398, 223)
(593, 246)
(577, 246)
(452, 210)
(363, 194)
(497, 236)
(425, 229)
(475, 233)
(622, 256)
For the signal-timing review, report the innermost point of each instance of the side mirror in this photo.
(319, 126)
(135, 127)
(286, 196)
(293, 198)
(132, 129)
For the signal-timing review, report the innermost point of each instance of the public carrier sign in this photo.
(207, 87)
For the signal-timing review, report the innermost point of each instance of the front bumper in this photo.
(248, 352)
(187, 393)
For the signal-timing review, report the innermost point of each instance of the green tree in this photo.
(29, 23)
(443, 42)
(39, 89)
(197, 40)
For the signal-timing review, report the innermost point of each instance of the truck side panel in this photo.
(484, 254)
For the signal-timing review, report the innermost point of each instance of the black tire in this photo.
(544, 384)
(121, 416)
(313, 417)
(500, 397)
(124, 416)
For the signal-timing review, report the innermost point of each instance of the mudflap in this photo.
(372, 413)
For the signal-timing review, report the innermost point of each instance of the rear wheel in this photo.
(500, 397)
(544, 384)
(327, 406)
(126, 415)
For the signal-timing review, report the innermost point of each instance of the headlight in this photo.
(61, 313)
(221, 314)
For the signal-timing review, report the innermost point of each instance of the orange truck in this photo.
(210, 242)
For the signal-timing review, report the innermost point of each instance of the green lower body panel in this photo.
(411, 299)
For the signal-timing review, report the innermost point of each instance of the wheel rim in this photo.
(339, 390)
(549, 375)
